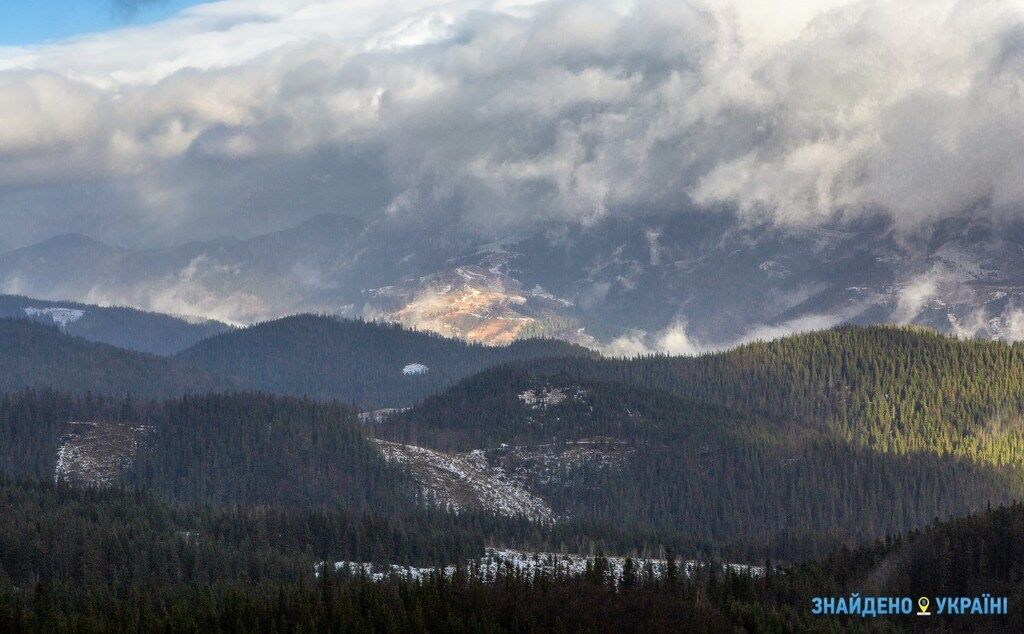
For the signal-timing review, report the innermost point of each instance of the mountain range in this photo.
(679, 284)
(780, 447)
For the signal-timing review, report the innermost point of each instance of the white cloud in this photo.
(673, 340)
(1007, 325)
(628, 345)
(188, 292)
(255, 113)
(913, 297)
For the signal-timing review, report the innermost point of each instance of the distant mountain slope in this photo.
(36, 356)
(893, 389)
(634, 280)
(437, 280)
(123, 327)
(322, 264)
(371, 365)
(637, 459)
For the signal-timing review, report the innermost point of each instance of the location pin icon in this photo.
(923, 603)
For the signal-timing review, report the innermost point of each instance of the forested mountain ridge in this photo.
(124, 327)
(630, 457)
(33, 355)
(507, 405)
(887, 388)
(370, 364)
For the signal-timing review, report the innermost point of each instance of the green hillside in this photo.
(890, 389)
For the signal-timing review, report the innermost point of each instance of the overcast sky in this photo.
(239, 116)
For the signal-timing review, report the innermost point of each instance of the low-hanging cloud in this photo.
(674, 340)
(502, 114)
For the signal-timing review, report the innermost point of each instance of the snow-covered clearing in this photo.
(60, 316)
(380, 415)
(559, 463)
(460, 481)
(547, 396)
(413, 369)
(96, 453)
(530, 563)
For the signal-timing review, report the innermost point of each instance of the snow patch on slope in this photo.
(60, 316)
(460, 481)
(96, 454)
(546, 396)
(562, 463)
(376, 416)
(414, 369)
